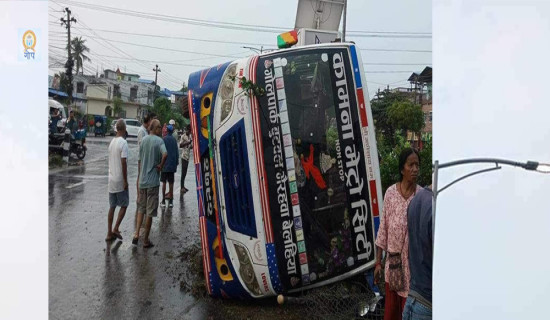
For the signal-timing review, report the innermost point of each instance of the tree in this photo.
(162, 107)
(393, 115)
(380, 107)
(184, 87)
(78, 50)
(117, 106)
(405, 115)
(63, 81)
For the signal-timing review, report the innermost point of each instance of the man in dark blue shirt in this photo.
(419, 220)
(170, 167)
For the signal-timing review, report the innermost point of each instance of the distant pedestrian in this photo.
(185, 145)
(170, 168)
(419, 221)
(56, 116)
(152, 156)
(71, 122)
(175, 132)
(118, 180)
(164, 130)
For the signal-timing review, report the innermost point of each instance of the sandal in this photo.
(117, 235)
(135, 241)
(148, 245)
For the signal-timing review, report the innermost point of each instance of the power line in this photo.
(396, 64)
(185, 38)
(142, 64)
(235, 42)
(117, 49)
(230, 25)
(168, 18)
(415, 36)
(393, 71)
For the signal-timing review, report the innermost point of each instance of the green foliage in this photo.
(117, 106)
(250, 87)
(389, 159)
(63, 82)
(425, 174)
(162, 107)
(405, 115)
(332, 137)
(184, 87)
(393, 115)
(78, 50)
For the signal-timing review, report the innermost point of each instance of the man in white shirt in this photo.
(186, 143)
(118, 180)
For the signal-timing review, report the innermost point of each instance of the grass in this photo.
(55, 161)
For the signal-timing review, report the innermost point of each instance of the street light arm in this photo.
(530, 165)
(467, 176)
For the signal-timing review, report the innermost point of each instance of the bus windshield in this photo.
(308, 118)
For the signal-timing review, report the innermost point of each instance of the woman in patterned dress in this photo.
(392, 234)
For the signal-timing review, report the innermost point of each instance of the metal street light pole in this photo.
(256, 50)
(344, 22)
(529, 165)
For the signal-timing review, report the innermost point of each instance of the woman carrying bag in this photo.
(392, 236)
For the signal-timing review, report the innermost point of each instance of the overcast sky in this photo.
(491, 100)
(377, 16)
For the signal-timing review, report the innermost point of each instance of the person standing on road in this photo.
(170, 167)
(185, 145)
(71, 123)
(118, 181)
(419, 220)
(143, 131)
(175, 131)
(152, 156)
(164, 130)
(392, 236)
(56, 116)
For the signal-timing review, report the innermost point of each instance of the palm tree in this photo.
(79, 49)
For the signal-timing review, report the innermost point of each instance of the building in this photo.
(96, 95)
(421, 88)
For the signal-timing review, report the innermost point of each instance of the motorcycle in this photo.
(77, 144)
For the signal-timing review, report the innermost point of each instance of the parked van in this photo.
(52, 105)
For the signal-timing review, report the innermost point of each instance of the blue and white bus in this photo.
(287, 171)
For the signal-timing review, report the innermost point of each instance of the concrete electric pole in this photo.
(70, 63)
(157, 70)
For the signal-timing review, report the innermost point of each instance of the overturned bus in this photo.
(287, 174)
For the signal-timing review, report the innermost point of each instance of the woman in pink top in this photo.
(392, 234)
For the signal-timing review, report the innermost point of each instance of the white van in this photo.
(52, 105)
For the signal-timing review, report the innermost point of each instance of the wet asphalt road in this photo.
(92, 279)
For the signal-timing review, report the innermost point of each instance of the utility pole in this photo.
(70, 63)
(344, 22)
(157, 70)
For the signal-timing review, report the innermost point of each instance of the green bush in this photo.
(389, 160)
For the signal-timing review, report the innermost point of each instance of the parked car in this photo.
(112, 129)
(132, 127)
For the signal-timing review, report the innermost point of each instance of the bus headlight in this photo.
(227, 105)
(246, 270)
(227, 89)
